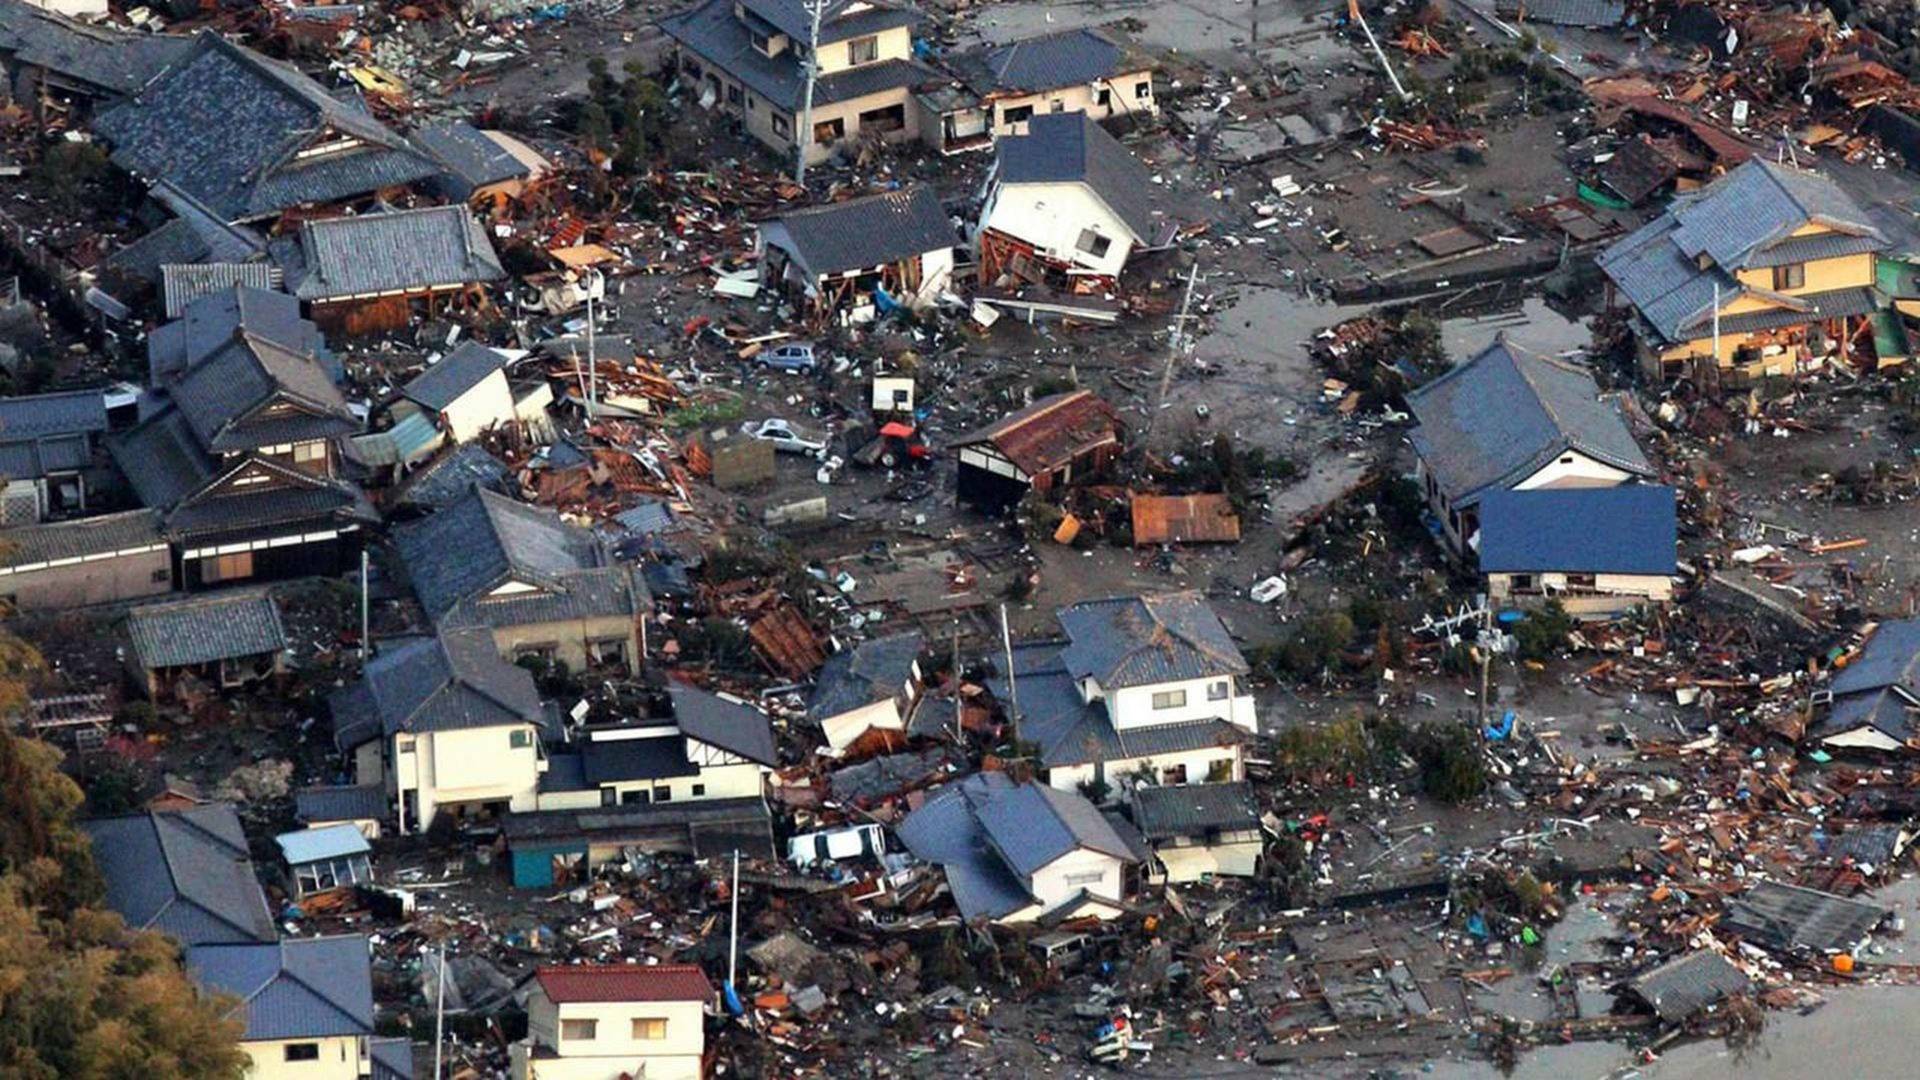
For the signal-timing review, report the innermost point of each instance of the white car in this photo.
(783, 437)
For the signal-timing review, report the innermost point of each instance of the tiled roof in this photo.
(211, 323)
(613, 983)
(303, 499)
(1503, 415)
(30, 545)
(1565, 12)
(733, 726)
(1683, 986)
(869, 672)
(711, 31)
(452, 681)
(204, 629)
(470, 154)
(363, 802)
(1141, 640)
(1619, 530)
(860, 233)
(710, 826)
(299, 988)
(1880, 689)
(1070, 732)
(1051, 432)
(1793, 917)
(1194, 809)
(113, 61)
(161, 459)
(1048, 62)
(1809, 308)
(395, 251)
(224, 395)
(36, 416)
(839, 20)
(442, 383)
(449, 478)
(1065, 148)
(1033, 824)
(182, 872)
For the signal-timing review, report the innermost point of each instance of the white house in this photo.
(1509, 419)
(864, 695)
(1002, 87)
(307, 1008)
(1066, 205)
(701, 746)
(466, 392)
(1014, 853)
(444, 724)
(899, 243)
(609, 1021)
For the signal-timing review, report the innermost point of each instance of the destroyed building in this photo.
(1000, 88)
(864, 696)
(1876, 698)
(1057, 440)
(895, 247)
(1595, 551)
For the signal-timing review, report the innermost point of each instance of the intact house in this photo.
(1002, 87)
(465, 392)
(95, 560)
(184, 873)
(362, 275)
(1875, 699)
(1198, 831)
(1784, 253)
(325, 859)
(598, 1021)
(1510, 419)
(190, 647)
(1066, 206)
(896, 245)
(1019, 853)
(1143, 690)
(1042, 448)
(306, 1005)
(539, 586)
(443, 724)
(747, 59)
(1598, 552)
(863, 696)
(52, 456)
(236, 448)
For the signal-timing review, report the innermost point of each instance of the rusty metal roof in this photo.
(1184, 519)
(1052, 431)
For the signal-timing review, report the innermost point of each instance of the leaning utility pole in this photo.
(1353, 10)
(1013, 688)
(1177, 343)
(803, 135)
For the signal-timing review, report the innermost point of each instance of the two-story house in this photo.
(307, 1007)
(748, 58)
(607, 1021)
(1765, 271)
(864, 696)
(443, 724)
(51, 455)
(1144, 689)
(1078, 70)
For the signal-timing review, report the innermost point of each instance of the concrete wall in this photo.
(1051, 218)
(716, 782)
(613, 1051)
(894, 44)
(568, 639)
(487, 404)
(341, 1058)
(101, 581)
(474, 765)
(1084, 98)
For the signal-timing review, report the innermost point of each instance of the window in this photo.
(227, 567)
(303, 1052)
(636, 797)
(863, 50)
(309, 451)
(649, 1027)
(520, 740)
(162, 576)
(1174, 776)
(733, 95)
(607, 651)
(580, 1030)
(608, 796)
(830, 131)
(1018, 115)
(1106, 97)
(1143, 90)
(662, 793)
(782, 126)
(1522, 582)
(1220, 691)
(1170, 699)
(691, 67)
(1581, 581)
(1790, 276)
(762, 43)
(1085, 877)
(1093, 243)
(699, 790)
(1220, 771)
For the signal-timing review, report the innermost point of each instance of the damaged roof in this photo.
(1505, 414)
(1630, 529)
(448, 682)
(1070, 148)
(1052, 432)
(1046, 62)
(183, 872)
(733, 726)
(1205, 518)
(1795, 917)
(1142, 640)
(870, 672)
(444, 381)
(297, 988)
(397, 251)
(206, 629)
(1187, 810)
(858, 234)
(1880, 689)
(1684, 986)
(111, 60)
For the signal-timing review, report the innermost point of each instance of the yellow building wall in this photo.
(548, 1055)
(895, 44)
(1823, 275)
(340, 1059)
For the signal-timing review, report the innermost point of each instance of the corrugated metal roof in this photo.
(364, 802)
(205, 629)
(1071, 148)
(395, 251)
(874, 230)
(612, 983)
(1184, 519)
(1784, 916)
(326, 842)
(1630, 529)
(1051, 432)
(183, 283)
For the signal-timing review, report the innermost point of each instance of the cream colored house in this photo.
(747, 58)
(1082, 70)
(609, 1021)
(864, 696)
(1598, 552)
(465, 391)
(1198, 831)
(307, 1004)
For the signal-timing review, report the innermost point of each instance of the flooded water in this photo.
(1532, 325)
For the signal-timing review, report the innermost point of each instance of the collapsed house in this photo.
(1002, 87)
(1875, 699)
(214, 642)
(1042, 448)
(483, 168)
(361, 275)
(1198, 831)
(52, 455)
(895, 247)
(465, 392)
(864, 696)
(1597, 552)
(55, 64)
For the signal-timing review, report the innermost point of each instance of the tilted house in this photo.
(540, 586)
(465, 391)
(184, 873)
(1510, 419)
(1876, 697)
(1049, 444)
(1788, 257)
(863, 696)
(597, 1021)
(1596, 551)
(1197, 831)
(306, 1005)
(899, 243)
(1080, 70)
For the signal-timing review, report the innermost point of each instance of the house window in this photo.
(1143, 90)
(1581, 581)
(1174, 775)
(1106, 97)
(162, 576)
(227, 567)
(608, 796)
(520, 740)
(1790, 276)
(580, 1030)
(662, 793)
(1018, 115)
(699, 790)
(1522, 582)
(649, 1028)
(762, 43)
(1170, 699)
(608, 651)
(544, 650)
(1057, 105)
(863, 50)
(1220, 691)
(1093, 243)
(691, 67)
(830, 131)
(1220, 771)
(636, 797)
(309, 451)
(303, 1051)
(1085, 877)
(782, 126)
(733, 95)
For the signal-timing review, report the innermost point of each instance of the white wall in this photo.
(1574, 470)
(487, 403)
(842, 730)
(718, 781)
(1051, 217)
(475, 765)
(1197, 762)
(340, 1059)
(1133, 706)
(1083, 98)
(1094, 871)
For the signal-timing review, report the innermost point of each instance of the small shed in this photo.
(363, 806)
(324, 859)
(1045, 446)
(466, 391)
(219, 641)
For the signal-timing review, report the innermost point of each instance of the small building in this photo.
(184, 873)
(96, 560)
(864, 695)
(897, 244)
(220, 641)
(1876, 697)
(484, 169)
(323, 859)
(1689, 984)
(307, 1007)
(1044, 447)
(1197, 831)
(1599, 552)
(1066, 206)
(1206, 518)
(465, 391)
(1510, 419)
(363, 274)
(551, 848)
(51, 455)
(1080, 70)
(363, 806)
(599, 1021)
(1016, 853)
(539, 586)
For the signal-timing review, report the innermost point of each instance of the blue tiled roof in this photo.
(1067, 148)
(1047, 62)
(1140, 640)
(452, 681)
(299, 988)
(870, 672)
(1617, 530)
(182, 872)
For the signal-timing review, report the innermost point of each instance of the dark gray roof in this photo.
(1140, 640)
(399, 250)
(839, 20)
(710, 826)
(889, 774)
(1071, 732)
(1682, 987)
(459, 555)
(442, 383)
(1047, 62)
(211, 323)
(1793, 917)
(33, 544)
(862, 233)
(469, 155)
(1880, 689)
(451, 476)
(1162, 813)
(1806, 308)
(1033, 824)
(162, 459)
(870, 672)
(183, 283)
(182, 872)
(244, 165)
(452, 681)
(344, 802)
(733, 726)
(1066, 148)
(1631, 529)
(204, 629)
(1503, 415)
(37, 416)
(110, 60)
(1874, 845)
(299, 988)
(614, 761)
(170, 472)
(711, 32)
(1565, 12)
(225, 397)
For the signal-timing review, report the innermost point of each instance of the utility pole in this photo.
(959, 727)
(733, 930)
(440, 1009)
(366, 643)
(593, 362)
(803, 135)
(1176, 345)
(1013, 688)
(1353, 10)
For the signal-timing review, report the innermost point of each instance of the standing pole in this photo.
(440, 1010)
(733, 930)
(366, 643)
(1716, 326)
(593, 362)
(959, 727)
(803, 135)
(1013, 689)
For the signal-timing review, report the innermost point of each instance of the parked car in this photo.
(782, 436)
(793, 356)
